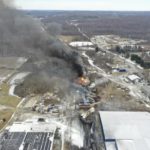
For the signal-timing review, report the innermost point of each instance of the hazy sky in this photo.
(135, 5)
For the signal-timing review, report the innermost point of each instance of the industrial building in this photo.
(81, 44)
(29, 135)
(126, 130)
(134, 78)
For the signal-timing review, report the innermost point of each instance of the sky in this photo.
(119, 5)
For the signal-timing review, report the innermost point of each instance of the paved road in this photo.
(135, 90)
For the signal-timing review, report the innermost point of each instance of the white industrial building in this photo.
(81, 44)
(32, 134)
(126, 130)
(134, 78)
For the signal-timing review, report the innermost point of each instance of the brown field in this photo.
(5, 99)
(5, 114)
(68, 39)
(9, 102)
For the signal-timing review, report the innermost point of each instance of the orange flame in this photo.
(83, 81)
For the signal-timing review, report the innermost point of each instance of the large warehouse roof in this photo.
(126, 130)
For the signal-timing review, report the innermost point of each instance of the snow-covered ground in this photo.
(15, 80)
(72, 133)
(21, 61)
(12, 89)
(18, 77)
(77, 134)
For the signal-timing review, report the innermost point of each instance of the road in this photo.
(135, 90)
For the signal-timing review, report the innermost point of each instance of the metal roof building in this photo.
(134, 78)
(126, 130)
(29, 135)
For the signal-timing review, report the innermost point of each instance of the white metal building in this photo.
(32, 134)
(126, 130)
(81, 44)
(134, 78)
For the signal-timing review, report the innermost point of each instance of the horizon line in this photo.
(84, 10)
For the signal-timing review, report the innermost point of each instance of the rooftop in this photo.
(133, 77)
(126, 130)
(31, 134)
(81, 44)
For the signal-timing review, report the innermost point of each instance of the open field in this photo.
(8, 102)
(5, 114)
(68, 39)
(6, 99)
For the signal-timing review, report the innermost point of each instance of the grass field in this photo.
(10, 102)
(5, 114)
(68, 39)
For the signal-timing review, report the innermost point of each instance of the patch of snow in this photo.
(139, 67)
(21, 61)
(132, 94)
(77, 134)
(128, 60)
(73, 132)
(16, 79)
(148, 106)
(12, 89)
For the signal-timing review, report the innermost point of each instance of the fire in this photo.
(83, 81)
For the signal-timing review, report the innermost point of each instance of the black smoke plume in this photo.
(21, 35)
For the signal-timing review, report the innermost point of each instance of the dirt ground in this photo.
(114, 98)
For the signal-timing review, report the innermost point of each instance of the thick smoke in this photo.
(54, 28)
(21, 35)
